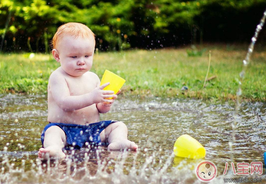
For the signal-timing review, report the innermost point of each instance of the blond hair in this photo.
(72, 29)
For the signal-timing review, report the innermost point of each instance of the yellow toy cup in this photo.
(188, 147)
(116, 82)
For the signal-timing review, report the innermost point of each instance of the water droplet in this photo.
(245, 62)
(145, 149)
(239, 92)
(253, 39)
(259, 27)
(242, 75)
(250, 50)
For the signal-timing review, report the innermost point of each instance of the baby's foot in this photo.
(123, 144)
(50, 152)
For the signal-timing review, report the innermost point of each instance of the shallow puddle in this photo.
(154, 124)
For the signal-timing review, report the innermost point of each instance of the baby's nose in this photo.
(81, 61)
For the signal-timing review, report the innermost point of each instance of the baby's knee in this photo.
(121, 124)
(54, 134)
(117, 125)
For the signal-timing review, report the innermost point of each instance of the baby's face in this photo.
(75, 54)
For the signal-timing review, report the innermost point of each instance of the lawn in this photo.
(150, 73)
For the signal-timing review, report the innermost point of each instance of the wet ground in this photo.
(154, 124)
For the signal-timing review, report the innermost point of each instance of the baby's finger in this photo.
(109, 96)
(104, 85)
(108, 101)
(108, 92)
(107, 104)
(114, 97)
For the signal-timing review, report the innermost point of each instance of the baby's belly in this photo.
(83, 116)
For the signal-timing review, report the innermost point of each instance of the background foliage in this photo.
(27, 25)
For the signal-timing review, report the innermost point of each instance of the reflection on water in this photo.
(154, 124)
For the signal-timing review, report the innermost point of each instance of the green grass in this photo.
(152, 73)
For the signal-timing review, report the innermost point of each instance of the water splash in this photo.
(154, 124)
(246, 62)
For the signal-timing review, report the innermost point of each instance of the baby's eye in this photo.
(73, 57)
(86, 56)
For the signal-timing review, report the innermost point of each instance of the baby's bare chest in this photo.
(81, 86)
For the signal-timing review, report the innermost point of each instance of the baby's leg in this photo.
(116, 134)
(54, 141)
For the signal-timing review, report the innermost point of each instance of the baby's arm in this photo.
(60, 92)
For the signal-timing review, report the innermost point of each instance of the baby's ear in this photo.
(56, 55)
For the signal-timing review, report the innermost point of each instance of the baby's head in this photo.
(72, 29)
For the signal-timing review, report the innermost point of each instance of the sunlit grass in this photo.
(25, 73)
(152, 73)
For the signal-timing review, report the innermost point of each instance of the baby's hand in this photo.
(109, 102)
(100, 95)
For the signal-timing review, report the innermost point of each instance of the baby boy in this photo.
(75, 98)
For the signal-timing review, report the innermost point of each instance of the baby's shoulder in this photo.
(91, 75)
(57, 75)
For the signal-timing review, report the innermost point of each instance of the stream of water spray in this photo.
(6, 26)
(246, 62)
